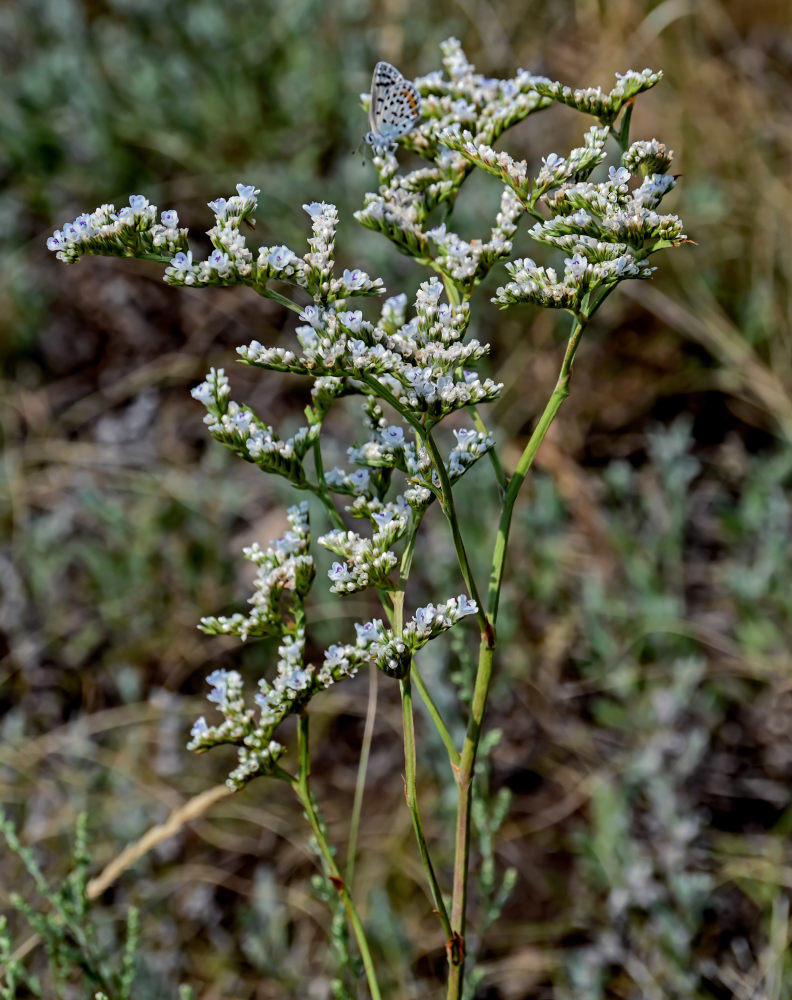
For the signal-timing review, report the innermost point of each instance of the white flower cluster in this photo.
(315, 270)
(231, 262)
(418, 362)
(284, 574)
(649, 156)
(604, 105)
(467, 263)
(241, 431)
(285, 571)
(542, 286)
(489, 105)
(293, 686)
(367, 560)
(402, 204)
(393, 653)
(609, 228)
(132, 231)
(555, 170)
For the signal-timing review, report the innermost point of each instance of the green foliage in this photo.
(70, 934)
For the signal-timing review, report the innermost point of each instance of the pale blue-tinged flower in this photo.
(352, 320)
(182, 261)
(425, 616)
(368, 632)
(354, 279)
(393, 436)
(619, 175)
(465, 436)
(576, 265)
(311, 315)
(465, 606)
(298, 680)
(337, 571)
(360, 478)
(57, 241)
(138, 203)
(199, 728)
(280, 257)
(220, 262)
(219, 681)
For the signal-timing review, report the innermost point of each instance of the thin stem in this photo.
(360, 781)
(408, 725)
(320, 490)
(411, 795)
(301, 787)
(449, 509)
(464, 774)
(481, 427)
(268, 293)
(436, 717)
(558, 396)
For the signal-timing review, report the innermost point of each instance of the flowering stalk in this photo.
(413, 366)
(301, 787)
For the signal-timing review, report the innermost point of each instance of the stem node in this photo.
(455, 949)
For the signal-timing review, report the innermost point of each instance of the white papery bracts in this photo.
(132, 231)
(419, 363)
(244, 433)
(284, 574)
(609, 228)
(603, 105)
(393, 653)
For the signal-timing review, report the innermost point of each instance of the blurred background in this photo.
(644, 691)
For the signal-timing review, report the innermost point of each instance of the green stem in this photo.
(301, 787)
(437, 718)
(558, 396)
(410, 769)
(622, 136)
(360, 781)
(320, 490)
(481, 427)
(268, 293)
(464, 774)
(411, 794)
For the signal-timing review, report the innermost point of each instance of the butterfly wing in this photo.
(395, 103)
(384, 78)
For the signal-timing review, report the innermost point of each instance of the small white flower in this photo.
(352, 320)
(355, 279)
(220, 262)
(199, 729)
(311, 315)
(393, 436)
(280, 257)
(182, 261)
(138, 203)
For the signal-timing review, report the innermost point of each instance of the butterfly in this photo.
(395, 108)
